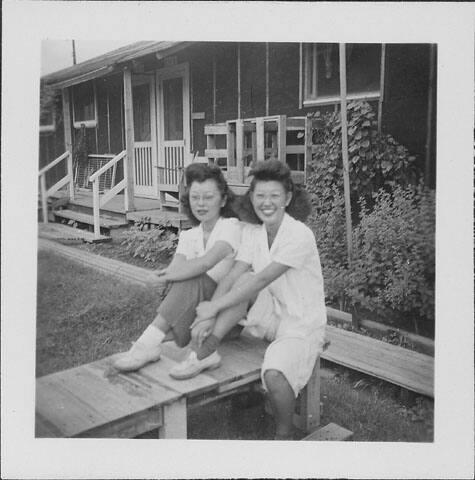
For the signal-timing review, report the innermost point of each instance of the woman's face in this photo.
(206, 201)
(269, 200)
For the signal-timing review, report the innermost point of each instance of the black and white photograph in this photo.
(225, 235)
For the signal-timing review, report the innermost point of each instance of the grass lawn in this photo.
(83, 315)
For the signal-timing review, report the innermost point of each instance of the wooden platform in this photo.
(96, 401)
(106, 221)
(161, 217)
(397, 365)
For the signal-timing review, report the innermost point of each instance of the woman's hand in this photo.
(205, 310)
(162, 275)
(201, 330)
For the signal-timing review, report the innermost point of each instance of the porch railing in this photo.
(98, 200)
(68, 178)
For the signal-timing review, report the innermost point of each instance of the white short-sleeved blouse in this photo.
(191, 244)
(299, 291)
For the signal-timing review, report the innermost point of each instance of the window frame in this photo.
(87, 123)
(309, 49)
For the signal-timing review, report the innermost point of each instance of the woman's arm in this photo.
(242, 293)
(196, 266)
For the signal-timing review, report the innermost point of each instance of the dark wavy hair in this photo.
(274, 170)
(200, 172)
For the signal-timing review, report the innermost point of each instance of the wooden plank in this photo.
(93, 396)
(329, 433)
(240, 150)
(160, 371)
(282, 138)
(260, 139)
(230, 145)
(128, 427)
(403, 367)
(216, 152)
(103, 221)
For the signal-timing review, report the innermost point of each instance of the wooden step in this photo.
(330, 433)
(105, 221)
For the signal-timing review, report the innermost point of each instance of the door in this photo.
(145, 144)
(174, 125)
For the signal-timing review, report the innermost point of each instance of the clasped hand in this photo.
(162, 275)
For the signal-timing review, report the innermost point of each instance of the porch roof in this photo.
(109, 62)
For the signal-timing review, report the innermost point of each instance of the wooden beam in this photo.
(129, 140)
(300, 75)
(68, 142)
(260, 139)
(214, 87)
(282, 138)
(344, 148)
(381, 87)
(240, 150)
(267, 79)
(239, 79)
(430, 103)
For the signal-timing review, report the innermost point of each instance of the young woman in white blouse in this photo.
(204, 256)
(277, 283)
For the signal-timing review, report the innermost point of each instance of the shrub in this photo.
(393, 265)
(375, 160)
(394, 253)
(151, 244)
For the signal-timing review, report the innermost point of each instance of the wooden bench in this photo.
(94, 400)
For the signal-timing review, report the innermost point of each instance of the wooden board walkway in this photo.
(96, 401)
(403, 367)
(124, 271)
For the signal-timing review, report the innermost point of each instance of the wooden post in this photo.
(68, 142)
(267, 79)
(214, 87)
(96, 208)
(310, 402)
(344, 148)
(240, 150)
(260, 139)
(129, 141)
(174, 420)
(282, 138)
(427, 169)
(44, 198)
(239, 80)
(381, 86)
(308, 142)
(300, 76)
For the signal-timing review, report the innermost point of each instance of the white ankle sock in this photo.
(151, 337)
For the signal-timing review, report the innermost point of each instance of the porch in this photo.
(80, 209)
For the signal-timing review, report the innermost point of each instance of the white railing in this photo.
(97, 200)
(68, 178)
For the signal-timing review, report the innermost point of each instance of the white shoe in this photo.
(191, 366)
(145, 350)
(137, 357)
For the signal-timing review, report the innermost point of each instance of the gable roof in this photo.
(108, 62)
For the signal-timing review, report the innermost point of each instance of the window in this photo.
(321, 73)
(84, 105)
